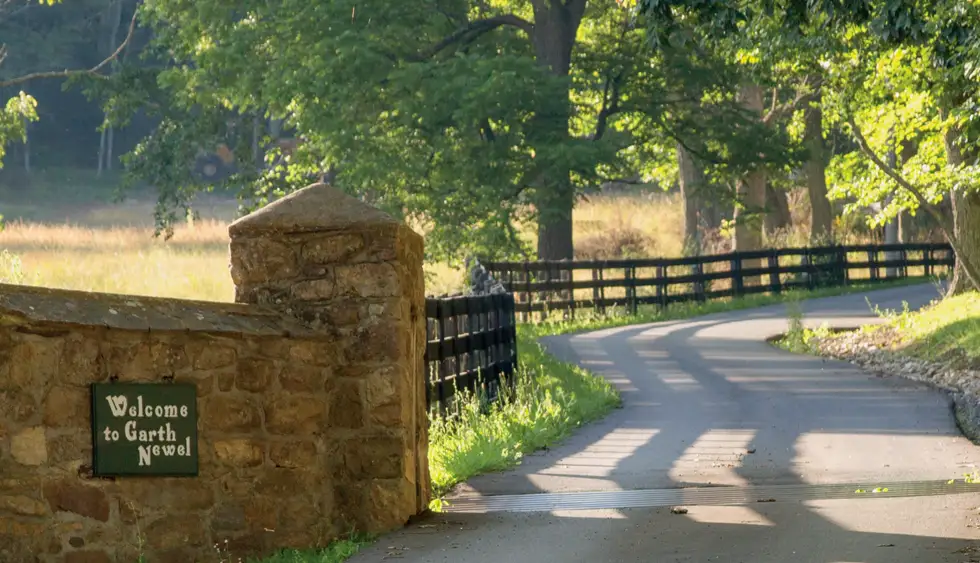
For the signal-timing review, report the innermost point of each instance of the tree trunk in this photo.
(102, 138)
(777, 210)
(692, 186)
(114, 18)
(821, 213)
(555, 28)
(27, 147)
(750, 192)
(966, 224)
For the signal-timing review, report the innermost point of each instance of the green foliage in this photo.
(946, 330)
(799, 339)
(551, 399)
(442, 112)
(336, 552)
(14, 116)
(12, 269)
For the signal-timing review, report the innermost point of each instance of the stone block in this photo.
(230, 413)
(17, 406)
(312, 352)
(208, 355)
(80, 361)
(239, 452)
(22, 505)
(29, 447)
(176, 530)
(261, 260)
(375, 457)
(346, 403)
(293, 454)
(302, 379)
(88, 556)
(228, 517)
(33, 364)
(167, 494)
(74, 446)
(68, 407)
(367, 280)
(295, 415)
(314, 290)
(332, 248)
(279, 483)
(255, 374)
(71, 496)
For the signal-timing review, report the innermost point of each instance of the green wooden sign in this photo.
(144, 429)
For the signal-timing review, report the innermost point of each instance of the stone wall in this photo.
(310, 394)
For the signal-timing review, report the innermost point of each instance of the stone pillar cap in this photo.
(315, 208)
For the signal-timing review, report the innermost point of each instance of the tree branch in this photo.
(610, 105)
(475, 29)
(803, 94)
(94, 71)
(931, 209)
(487, 131)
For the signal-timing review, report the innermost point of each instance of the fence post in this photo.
(441, 322)
(512, 376)
(699, 281)
(631, 305)
(662, 286)
(736, 270)
(602, 290)
(811, 271)
(571, 287)
(595, 291)
(772, 261)
(843, 270)
(873, 264)
(527, 292)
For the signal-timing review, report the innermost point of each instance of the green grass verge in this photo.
(336, 552)
(947, 330)
(550, 400)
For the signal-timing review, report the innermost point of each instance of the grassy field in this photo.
(111, 248)
(97, 245)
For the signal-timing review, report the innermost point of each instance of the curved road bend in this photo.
(708, 403)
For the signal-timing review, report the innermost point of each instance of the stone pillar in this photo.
(354, 275)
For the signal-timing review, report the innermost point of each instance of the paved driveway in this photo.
(765, 450)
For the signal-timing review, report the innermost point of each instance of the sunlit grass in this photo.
(549, 401)
(947, 329)
(111, 248)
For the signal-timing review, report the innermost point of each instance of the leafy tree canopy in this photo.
(453, 113)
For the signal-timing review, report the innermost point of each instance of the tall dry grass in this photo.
(120, 255)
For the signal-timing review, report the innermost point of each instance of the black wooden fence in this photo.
(594, 285)
(471, 343)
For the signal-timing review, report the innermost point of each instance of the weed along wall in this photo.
(139, 426)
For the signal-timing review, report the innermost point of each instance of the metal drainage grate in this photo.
(702, 496)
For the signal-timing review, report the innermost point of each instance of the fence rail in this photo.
(471, 343)
(597, 285)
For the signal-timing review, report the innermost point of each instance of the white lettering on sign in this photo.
(152, 442)
(119, 405)
(147, 453)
